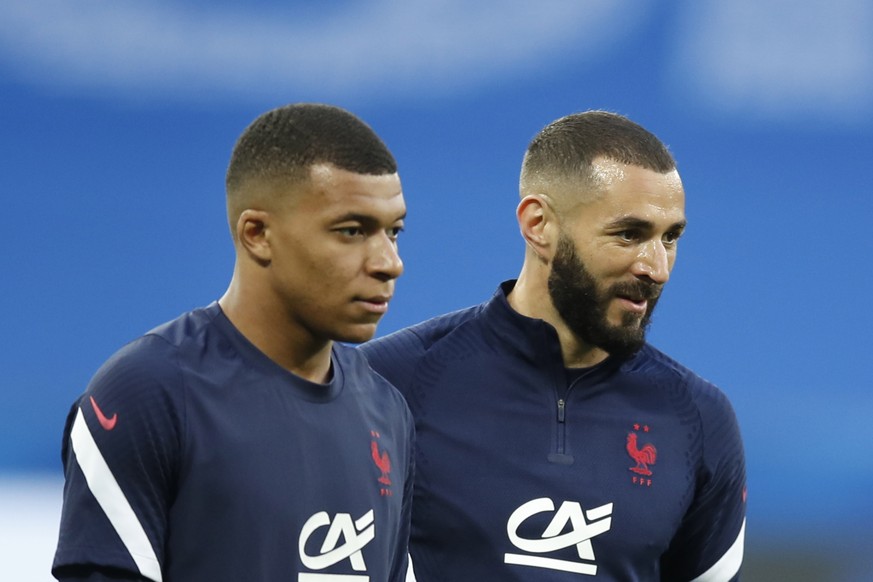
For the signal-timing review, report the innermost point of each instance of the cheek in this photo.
(607, 265)
(334, 273)
(316, 258)
(305, 274)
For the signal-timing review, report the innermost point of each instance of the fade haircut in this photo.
(562, 153)
(283, 144)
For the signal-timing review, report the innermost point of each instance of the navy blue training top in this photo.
(528, 471)
(193, 456)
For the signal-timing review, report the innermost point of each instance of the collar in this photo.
(532, 340)
(254, 359)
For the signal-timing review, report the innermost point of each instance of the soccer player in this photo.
(240, 441)
(554, 443)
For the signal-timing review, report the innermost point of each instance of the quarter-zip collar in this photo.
(534, 341)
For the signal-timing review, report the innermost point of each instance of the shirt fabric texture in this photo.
(193, 456)
(527, 471)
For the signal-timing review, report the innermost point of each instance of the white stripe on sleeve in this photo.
(108, 493)
(729, 564)
(410, 576)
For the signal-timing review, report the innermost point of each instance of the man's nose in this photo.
(654, 262)
(385, 259)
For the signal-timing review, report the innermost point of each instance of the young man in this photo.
(553, 441)
(239, 441)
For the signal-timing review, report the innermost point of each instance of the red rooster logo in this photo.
(383, 461)
(644, 457)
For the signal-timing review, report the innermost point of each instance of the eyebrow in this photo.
(363, 218)
(640, 224)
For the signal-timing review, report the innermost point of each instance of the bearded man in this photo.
(552, 439)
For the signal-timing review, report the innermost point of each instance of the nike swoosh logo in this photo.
(107, 423)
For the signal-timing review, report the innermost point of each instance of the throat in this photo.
(578, 354)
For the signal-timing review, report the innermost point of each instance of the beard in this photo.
(583, 305)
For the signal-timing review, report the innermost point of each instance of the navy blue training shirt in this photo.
(193, 456)
(528, 471)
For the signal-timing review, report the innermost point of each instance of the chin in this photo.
(625, 326)
(359, 335)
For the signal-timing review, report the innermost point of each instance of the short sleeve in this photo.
(120, 453)
(709, 544)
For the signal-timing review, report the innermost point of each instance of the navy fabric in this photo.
(237, 469)
(629, 470)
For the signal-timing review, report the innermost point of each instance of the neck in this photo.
(530, 297)
(261, 320)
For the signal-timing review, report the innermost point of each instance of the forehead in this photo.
(625, 191)
(331, 189)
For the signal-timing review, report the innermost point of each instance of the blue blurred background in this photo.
(117, 120)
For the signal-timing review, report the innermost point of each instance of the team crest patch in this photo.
(644, 455)
(383, 462)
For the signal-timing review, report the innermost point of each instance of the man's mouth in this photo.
(375, 304)
(636, 298)
(633, 304)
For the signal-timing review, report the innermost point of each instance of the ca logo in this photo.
(584, 525)
(355, 534)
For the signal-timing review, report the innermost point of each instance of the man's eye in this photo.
(395, 232)
(628, 235)
(351, 231)
(671, 237)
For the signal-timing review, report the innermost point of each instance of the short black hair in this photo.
(286, 141)
(567, 147)
(282, 145)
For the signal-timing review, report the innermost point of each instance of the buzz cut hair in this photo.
(564, 151)
(282, 145)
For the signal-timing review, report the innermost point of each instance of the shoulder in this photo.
(397, 355)
(698, 401)
(146, 361)
(666, 371)
(422, 336)
(135, 401)
(152, 362)
(189, 328)
(361, 377)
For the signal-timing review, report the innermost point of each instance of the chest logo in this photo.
(383, 462)
(355, 535)
(644, 456)
(569, 526)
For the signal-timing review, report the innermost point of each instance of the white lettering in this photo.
(355, 534)
(581, 531)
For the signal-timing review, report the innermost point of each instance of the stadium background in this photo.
(116, 121)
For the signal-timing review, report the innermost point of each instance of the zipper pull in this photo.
(561, 408)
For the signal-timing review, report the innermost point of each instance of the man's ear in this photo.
(252, 232)
(537, 222)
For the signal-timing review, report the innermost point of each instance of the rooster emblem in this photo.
(383, 461)
(643, 456)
